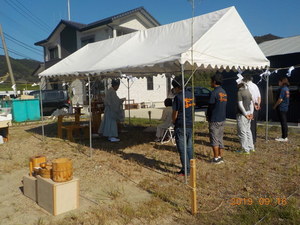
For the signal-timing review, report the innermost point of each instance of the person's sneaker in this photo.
(281, 139)
(113, 139)
(181, 173)
(216, 161)
(221, 160)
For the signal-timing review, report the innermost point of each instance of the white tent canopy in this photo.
(220, 41)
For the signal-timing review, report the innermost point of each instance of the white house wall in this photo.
(105, 32)
(54, 42)
(98, 34)
(139, 92)
(132, 23)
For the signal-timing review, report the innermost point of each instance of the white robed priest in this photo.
(113, 113)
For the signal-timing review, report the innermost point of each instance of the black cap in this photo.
(115, 82)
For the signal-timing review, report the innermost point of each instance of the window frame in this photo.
(86, 40)
(53, 53)
(150, 83)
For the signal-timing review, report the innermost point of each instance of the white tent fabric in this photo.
(220, 41)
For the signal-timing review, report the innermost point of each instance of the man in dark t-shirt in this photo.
(216, 116)
(178, 121)
(282, 106)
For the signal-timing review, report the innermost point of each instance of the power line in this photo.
(38, 53)
(19, 54)
(22, 28)
(25, 14)
(22, 44)
(16, 53)
(28, 14)
(34, 16)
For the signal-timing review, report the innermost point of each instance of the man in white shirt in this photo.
(256, 99)
(244, 116)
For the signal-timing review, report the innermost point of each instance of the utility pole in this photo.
(14, 87)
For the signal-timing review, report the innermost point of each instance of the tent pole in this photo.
(128, 99)
(90, 117)
(184, 123)
(42, 116)
(192, 60)
(267, 107)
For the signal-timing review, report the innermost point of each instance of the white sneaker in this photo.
(281, 139)
(113, 139)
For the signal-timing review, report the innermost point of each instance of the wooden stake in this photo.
(30, 168)
(193, 185)
(149, 113)
(59, 124)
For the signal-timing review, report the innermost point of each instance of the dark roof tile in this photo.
(73, 24)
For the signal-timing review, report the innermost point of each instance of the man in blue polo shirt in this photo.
(282, 106)
(216, 116)
(177, 118)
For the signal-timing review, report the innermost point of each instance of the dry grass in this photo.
(134, 181)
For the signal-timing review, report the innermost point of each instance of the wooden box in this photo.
(5, 123)
(131, 106)
(30, 187)
(57, 198)
(24, 97)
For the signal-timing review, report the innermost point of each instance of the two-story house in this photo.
(69, 36)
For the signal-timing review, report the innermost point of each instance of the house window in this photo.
(53, 52)
(87, 40)
(149, 83)
(121, 32)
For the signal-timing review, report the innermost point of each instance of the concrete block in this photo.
(57, 198)
(30, 187)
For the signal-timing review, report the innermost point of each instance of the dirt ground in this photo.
(135, 182)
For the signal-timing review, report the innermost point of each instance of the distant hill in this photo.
(22, 68)
(266, 37)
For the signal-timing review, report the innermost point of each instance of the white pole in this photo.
(69, 11)
(184, 123)
(128, 100)
(90, 117)
(192, 61)
(41, 107)
(267, 107)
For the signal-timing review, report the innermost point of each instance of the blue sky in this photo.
(279, 17)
